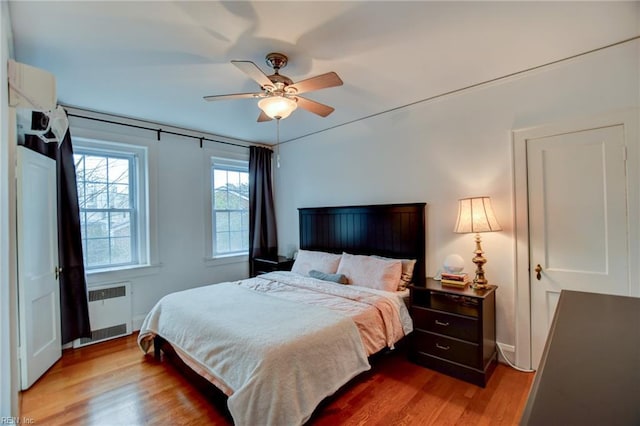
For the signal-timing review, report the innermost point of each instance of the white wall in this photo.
(179, 181)
(452, 147)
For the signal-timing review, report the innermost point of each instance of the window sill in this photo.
(102, 275)
(226, 260)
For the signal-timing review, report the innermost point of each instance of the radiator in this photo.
(109, 313)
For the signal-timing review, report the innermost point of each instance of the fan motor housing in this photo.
(279, 78)
(276, 60)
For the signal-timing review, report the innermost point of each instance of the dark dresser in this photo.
(589, 373)
(454, 330)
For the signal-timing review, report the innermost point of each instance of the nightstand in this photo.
(454, 330)
(262, 265)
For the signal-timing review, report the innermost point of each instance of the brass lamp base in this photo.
(479, 282)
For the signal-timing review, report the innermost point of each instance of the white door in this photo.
(578, 228)
(38, 289)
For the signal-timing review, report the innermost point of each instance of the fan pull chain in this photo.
(278, 143)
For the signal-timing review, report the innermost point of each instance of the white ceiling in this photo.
(156, 60)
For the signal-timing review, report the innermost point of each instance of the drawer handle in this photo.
(444, 348)
(445, 324)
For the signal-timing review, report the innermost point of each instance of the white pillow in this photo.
(307, 260)
(406, 276)
(371, 272)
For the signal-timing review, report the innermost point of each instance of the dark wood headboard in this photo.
(390, 230)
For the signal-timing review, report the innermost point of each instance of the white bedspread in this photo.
(381, 316)
(278, 358)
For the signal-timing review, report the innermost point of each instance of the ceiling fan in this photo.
(280, 95)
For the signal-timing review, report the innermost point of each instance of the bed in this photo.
(276, 345)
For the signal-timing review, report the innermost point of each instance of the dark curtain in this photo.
(263, 240)
(74, 308)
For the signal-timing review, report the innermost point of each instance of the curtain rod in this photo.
(157, 130)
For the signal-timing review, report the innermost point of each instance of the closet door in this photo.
(38, 289)
(578, 225)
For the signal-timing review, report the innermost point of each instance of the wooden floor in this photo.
(113, 383)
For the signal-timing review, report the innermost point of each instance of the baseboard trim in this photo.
(509, 351)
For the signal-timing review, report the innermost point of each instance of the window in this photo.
(230, 207)
(112, 208)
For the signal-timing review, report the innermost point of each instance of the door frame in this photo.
(629, 119)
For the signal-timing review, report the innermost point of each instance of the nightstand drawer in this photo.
(459, 304)
(442, 323)
(447, 348)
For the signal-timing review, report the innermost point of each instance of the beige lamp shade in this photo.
(277, 107)
(476, 215)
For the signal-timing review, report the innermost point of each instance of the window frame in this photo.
(139, 222)
(228, 164)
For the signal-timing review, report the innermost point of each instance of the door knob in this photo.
(538, 270)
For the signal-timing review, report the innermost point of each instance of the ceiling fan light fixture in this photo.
(279, 95)
(277, 107)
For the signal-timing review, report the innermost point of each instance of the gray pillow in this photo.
(336, 278)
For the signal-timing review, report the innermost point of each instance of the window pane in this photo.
(235, 221)
(118, 196)
(120, 224)
(95, 169)
(119, 170)
(222, 221)
(234, 180)
(244, 181)
(245, 220)
(222, 242)
(97, 225)
(219, 179)
(220, 199)
(120, 250)
(245, 239)
(235, 241)
(97, 252)
(237, 201)
(96, 196)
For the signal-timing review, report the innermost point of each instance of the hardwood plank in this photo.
(115, 383)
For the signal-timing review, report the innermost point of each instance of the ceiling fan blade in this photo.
(232, 96)
(254, 72)
(263, 117)
(318, 82)
(314, 107)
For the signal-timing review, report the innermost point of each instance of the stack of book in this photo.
(454, 280)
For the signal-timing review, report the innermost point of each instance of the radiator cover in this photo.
(109, 313)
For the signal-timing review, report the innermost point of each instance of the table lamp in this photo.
(475, 214)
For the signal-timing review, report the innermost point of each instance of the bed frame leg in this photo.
(157, 344)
